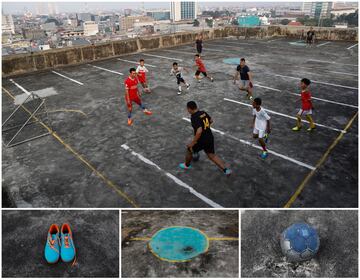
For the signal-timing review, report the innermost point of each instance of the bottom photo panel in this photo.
(60, 243)
(186, 243)
(299, 243)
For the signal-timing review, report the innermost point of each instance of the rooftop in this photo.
(93, 159)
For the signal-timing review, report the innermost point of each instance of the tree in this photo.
(284, 21)
(234, 22)
(196, 23)
(209, 22)
(327, 22)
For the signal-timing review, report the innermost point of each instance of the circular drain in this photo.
(178, 244)
(233, 60)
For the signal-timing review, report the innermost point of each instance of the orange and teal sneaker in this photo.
(68, 251)
(130, 121)
(52, 246)
(147, 112)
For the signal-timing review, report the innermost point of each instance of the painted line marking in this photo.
(316, 98)
(234, 43)
(159, 56)
(274, 40)
(108, 70)
(146, 64)
(349, 48)
(323, 44)
(283, 115)
(80, 157)
(61, 75)
(20, 87)
(179, 52)
(320, 162)
(344, 73)
(175, 179)
(317, 82)
(332, 62)
(207, 49)
(259, 147)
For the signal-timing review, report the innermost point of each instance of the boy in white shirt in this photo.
(261, 125)
(141, 71)
(177, 71)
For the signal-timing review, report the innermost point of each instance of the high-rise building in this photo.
(8, 24)
(317, 9)
(183, 11)
(128, 22)
(90, 28)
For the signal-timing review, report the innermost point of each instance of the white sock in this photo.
(179, 88)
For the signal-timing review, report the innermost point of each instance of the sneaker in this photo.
(264, 155)
(179, 92)
(196, 156)
(266, 137)
(67, 244)
(147, 90)
(188, 86)
(250, 97)
(52, 246)
(211, 79)
(130, 121)
(183, 166)
(147, 112)
(296, 128)
(227, 171)
(311, 128)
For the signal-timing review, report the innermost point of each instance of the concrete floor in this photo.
(221, 260)
(96, 238)
(43, 173)
(261, 254)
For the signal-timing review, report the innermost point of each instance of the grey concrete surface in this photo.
(44, 173)
(96, 238)
(261, 254)
(221, 260)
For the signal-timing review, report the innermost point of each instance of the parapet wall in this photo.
(24, 63)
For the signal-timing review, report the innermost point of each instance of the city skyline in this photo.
(71, 7)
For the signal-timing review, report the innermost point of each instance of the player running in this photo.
(177, 71)
(203, 139)
(132, 95)
(245, 74)
(200, 69)
(306, 106)
(141, 71)
(261, 125)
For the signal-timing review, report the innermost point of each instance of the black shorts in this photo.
(309, 40)
(199, 50)
(206, 145)
(180, 80)
(197, 73)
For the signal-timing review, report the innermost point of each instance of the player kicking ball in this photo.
(261, 125)
(203, 139)
(201, 69)
(177, 71)
(132, 95)
(141, 71)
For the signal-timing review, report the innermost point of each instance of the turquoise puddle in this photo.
(178, 244)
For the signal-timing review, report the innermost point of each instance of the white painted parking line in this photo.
(344, 73)
(332, 62)
(208, 49)
(234, 43)
(175, 179)
(61, 75)
(159, 56)
(312, 97)
(323, 44)
(174, 51)
(111, 71)
(284, 115)
(274, 40)
(136, 62)
(317, 82)
(349, 48)
(260, 148)
(20, 87)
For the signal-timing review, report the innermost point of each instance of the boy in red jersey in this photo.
(201, 69)
(306, 106)
(132, 94)
(141, 71)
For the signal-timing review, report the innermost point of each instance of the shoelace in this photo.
(51, 244)
(67, 245)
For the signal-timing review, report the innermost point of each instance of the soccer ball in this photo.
(299, 242)
(196, 156)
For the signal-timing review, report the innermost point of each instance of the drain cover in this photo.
(178, 244)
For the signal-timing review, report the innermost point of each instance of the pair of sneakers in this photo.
(60, 243)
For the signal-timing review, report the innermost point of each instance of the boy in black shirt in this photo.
(245, 82)
(203, 139)
(310, 37)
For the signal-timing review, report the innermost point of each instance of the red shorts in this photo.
(132, 98)
(142, 78)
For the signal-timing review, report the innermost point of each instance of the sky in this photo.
(21, 7)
